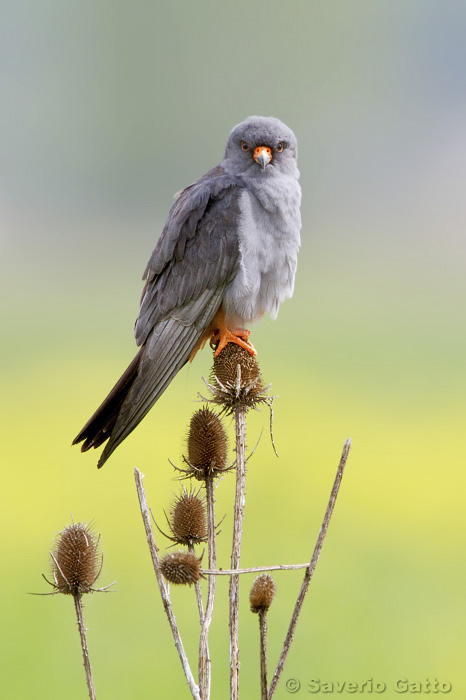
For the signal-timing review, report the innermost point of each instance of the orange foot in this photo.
(224, 336)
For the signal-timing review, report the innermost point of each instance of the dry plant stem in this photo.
(310, 569)
(163, 589)
(254, 569)
(263, 652)
(82, 633)
(204, 656)
(240, 430)
(197, 588)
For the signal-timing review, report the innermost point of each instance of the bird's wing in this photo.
(195, 259)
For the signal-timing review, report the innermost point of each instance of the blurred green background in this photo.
(108, 108)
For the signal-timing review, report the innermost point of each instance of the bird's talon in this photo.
(239, 337)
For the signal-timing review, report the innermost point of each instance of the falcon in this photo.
(227, 254)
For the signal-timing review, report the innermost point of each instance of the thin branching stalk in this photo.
(162, 587)
(197, 588)
(310, 569)
(82, 634)
(240, 435)
(263, 652)
(204, 656)
(253, 569)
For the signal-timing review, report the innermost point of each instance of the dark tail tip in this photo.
(99, 427)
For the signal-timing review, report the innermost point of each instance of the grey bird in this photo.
(227, 254)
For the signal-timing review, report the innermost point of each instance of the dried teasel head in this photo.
(181, 568)
(236, 379)
(262, 593)
(207, 445)
(188, 522)
(76, 560)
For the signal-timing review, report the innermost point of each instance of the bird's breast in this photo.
(269, 238)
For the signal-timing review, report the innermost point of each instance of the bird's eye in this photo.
(244, 146)
(279, 148)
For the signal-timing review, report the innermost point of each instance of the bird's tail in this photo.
(99, 427)
(147, 377)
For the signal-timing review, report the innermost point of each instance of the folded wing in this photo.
(196, 258)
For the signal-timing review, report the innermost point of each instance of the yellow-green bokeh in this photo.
(108, 109)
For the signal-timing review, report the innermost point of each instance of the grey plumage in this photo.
(230, 242)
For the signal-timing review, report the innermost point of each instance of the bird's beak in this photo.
(263, 155)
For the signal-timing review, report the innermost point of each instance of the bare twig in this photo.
(82, 634)
(270, 404)
(263, 652)
(162, 587)
(240, 431)
(197, 588)
(255, 447)
(204, 656)
(310, 569)
(253, 569)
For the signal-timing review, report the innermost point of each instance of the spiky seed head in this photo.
(232, 388)
(262, 593)
(226, 363)
(181, 568)
(76, 560)
(207, 444)
(188, 522)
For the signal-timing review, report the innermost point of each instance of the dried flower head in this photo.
(262, 593)
(188, 522)
(207, 445)
(181, 568)
(76, 561)
(236, 379)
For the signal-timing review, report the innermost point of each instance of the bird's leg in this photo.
(221, 338)
(224, 335)
(218, 334)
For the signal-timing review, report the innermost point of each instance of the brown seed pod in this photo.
(76, 560)
(226, 363)
(188, 519)
(207, 445)
(232, 387)
(262, 593)
(181, 568)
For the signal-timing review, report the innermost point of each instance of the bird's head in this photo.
(261, 146)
